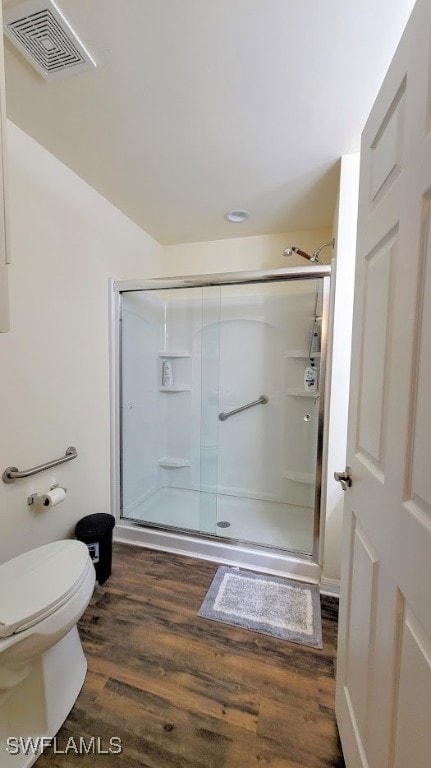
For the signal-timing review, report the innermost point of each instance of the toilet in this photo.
(43, 594)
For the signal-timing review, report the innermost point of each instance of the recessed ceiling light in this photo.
(237, 216)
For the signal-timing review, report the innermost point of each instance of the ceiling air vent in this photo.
(42, 34)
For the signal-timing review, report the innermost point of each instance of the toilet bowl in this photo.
(43, 594)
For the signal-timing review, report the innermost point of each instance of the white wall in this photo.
(345, 223)
(242, 253)
(54, 386)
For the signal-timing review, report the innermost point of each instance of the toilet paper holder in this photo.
(34, 498)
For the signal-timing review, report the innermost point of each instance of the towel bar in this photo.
(262, 400)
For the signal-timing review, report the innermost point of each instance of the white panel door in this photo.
(383, 700)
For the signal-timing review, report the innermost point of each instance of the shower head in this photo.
(314, 256)
(294, 249)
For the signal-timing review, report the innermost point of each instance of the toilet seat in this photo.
(37, 583)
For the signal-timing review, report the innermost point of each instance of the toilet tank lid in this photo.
(34, 583)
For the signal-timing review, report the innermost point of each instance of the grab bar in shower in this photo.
(12, 473)
(262, 400)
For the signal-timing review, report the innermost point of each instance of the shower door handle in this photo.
(345, 478)
(262, 400)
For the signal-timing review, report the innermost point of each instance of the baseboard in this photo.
(330, 587)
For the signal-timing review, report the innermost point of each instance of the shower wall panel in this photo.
(182, 428)
(250, 443)
(261, 326)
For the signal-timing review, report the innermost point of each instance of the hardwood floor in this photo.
(182, 691)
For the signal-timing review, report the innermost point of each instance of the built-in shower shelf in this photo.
(296, 392)
(176, 388)
(174, 354)
(169, 462)
(302, 353)
(300, 477)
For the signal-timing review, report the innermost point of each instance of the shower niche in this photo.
(222, 390)
(175, 374)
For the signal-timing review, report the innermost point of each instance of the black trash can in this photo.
(96, 532)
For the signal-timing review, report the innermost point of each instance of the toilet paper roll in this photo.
(54, 497)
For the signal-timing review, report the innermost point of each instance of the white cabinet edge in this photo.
(4, 220)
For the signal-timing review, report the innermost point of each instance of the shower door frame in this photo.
(286, 274)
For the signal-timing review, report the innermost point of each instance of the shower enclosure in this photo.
(220, 407)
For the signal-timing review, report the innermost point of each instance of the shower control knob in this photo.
(345, 478)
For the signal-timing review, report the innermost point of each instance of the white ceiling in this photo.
(199, 106)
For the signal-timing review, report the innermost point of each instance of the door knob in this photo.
(345, 478)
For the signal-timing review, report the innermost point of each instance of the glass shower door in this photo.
(220, 410)
(209, 342)
(169, 402)
(269, 348)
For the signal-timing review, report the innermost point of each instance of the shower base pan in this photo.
(272, 537)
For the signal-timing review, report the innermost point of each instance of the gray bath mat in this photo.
(267, 604)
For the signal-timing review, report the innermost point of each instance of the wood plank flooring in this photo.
(183, 691)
